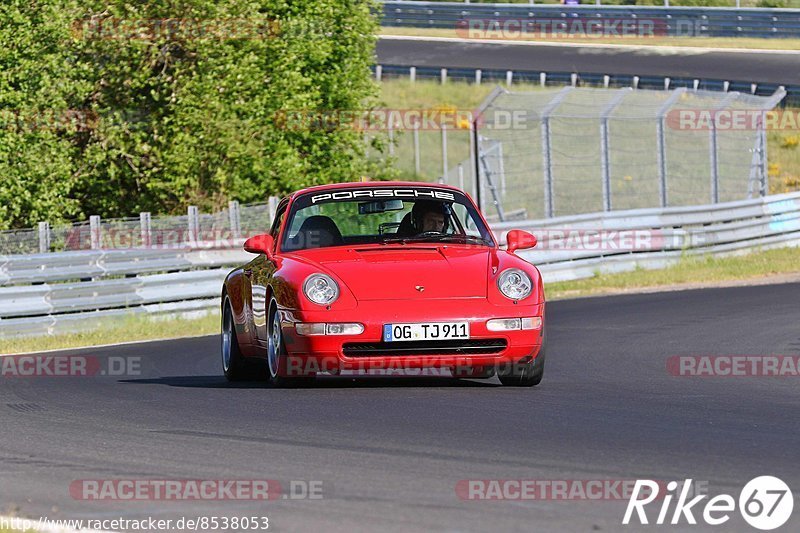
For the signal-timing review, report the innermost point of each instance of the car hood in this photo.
(409, 272)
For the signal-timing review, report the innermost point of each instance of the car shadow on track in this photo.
(324, 382)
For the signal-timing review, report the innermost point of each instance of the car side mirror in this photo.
(260, 244)
(520, 240)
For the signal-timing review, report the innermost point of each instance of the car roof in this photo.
(370, 184)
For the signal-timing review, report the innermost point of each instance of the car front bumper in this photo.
(367, 351)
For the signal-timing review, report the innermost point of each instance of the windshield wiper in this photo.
(461, 238)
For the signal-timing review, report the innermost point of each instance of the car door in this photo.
(261, 271)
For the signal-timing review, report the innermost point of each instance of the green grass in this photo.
(705, 42)
(108, 331)
(691, 270)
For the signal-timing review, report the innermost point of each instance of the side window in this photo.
(276, 223)
(461, 213)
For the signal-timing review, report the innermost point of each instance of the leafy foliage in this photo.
(151, 106)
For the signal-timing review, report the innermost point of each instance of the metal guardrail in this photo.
(657, 237)
(190, 280)
(590, 79)
(673, 21)
(193, 230)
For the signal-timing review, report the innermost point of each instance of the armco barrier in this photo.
(41, 294)
(684, 21)
(591, 79)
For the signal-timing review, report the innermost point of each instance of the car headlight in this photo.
(321, 289)
(514, 284)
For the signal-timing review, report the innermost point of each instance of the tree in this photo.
(183, 100)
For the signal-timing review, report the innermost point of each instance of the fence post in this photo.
(661, 152)
(774, 100)
(412, 74)
(443, 74)
(44, 237)
(473, 156)
(712, 158)
(475, 147)
(416, 148)
(605, 164)
(144, 227)
(235, 218)
(475, 143)
(94, 231)
(478, 74)
(547, 151)
(548, 168)
(764, 166)
(509, 77)
(193, 225)
(605, 160)
(378, 72)
(444, 149)
(390, 127)
(713, 154)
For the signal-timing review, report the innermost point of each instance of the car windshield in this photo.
(383, 216)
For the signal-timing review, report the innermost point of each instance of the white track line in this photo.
(648, 48)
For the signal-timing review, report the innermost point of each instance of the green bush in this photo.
(98, 122)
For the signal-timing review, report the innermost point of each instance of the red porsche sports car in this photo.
(381, 276)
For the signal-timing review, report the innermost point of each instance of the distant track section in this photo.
(780, 67)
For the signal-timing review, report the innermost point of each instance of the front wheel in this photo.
(234, 365)
(276, 354)
(525, 374)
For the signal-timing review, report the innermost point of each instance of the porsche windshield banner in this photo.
(399, 194)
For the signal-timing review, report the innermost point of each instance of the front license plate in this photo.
(430, 331)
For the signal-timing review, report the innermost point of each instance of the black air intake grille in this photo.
(448, 347)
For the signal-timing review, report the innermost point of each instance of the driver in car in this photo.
(429, 216)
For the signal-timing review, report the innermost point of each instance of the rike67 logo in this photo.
(765, 503)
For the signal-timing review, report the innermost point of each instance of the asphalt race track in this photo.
(762, 67)
(390, 451)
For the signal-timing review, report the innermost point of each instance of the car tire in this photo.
(234, 365)
(525, 374)
(277, 356)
